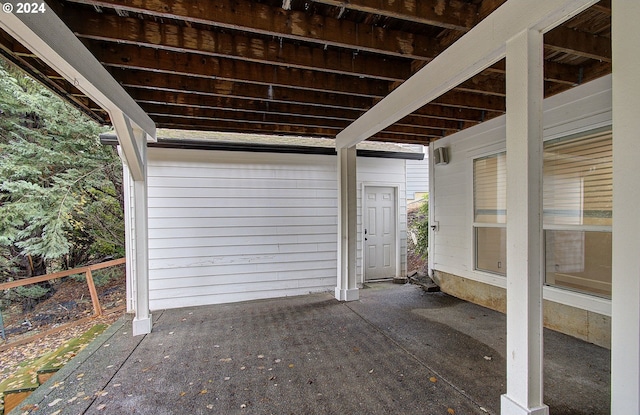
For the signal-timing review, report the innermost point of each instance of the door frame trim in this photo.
(363, 208)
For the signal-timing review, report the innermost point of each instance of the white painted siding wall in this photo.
(580, 109)
(418, 176)
(234, 226)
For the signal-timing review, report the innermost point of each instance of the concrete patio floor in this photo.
(398, 350)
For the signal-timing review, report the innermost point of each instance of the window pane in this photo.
(490, 189)
(579, 260)
(578, 183)
(491, 250)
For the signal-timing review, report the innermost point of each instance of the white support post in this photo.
(524, 225)
(46, 35)
(129, 133)
(625, 308)
(129, 239)
(346, 289)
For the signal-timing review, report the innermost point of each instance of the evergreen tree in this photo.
(61, 200)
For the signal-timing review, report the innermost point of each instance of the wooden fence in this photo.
(82, 270)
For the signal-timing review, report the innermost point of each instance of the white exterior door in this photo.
(379, 233)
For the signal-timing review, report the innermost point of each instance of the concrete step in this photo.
(424, 281)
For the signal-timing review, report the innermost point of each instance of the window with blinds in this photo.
(490, 189)
(577, 204)
(578, 181)
(490, 213)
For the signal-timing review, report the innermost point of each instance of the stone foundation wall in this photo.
(583, 324)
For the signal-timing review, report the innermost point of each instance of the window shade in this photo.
(578, 181)
(490, 189)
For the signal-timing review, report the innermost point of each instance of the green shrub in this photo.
(422, 228)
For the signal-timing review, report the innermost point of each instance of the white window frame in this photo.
(477, 225)
(573, 227)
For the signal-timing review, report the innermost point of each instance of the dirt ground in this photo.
(70, 303)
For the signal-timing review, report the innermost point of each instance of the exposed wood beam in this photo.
(272, 21)
(456, 15)
(179, 84)
(480, 48)
(167, 121)
(583, 44)
(553, 72)
(134, 57)
(176, 38)
(270, 118)
(459, 99)
(154, 96)
(37, 70)
(603, 6)
(586, 74)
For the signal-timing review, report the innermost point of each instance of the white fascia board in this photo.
(478, 49)
(46, 35)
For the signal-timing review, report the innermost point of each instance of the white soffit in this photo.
(478, 49)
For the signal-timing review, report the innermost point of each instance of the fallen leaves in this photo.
(450, 411)
(433, 379)
(55, 402)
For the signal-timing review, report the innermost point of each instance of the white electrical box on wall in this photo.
(441, 156)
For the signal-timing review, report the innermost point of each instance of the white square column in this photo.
(524, 225)
(625, 307)
(142, 321)
(136, 150)
(346, 289)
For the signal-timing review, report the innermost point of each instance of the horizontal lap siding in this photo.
(227, 227)
(417, 177)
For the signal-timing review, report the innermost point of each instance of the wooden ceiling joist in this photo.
(456, 15)
(185, 39)
(302, 66)
(276, 22)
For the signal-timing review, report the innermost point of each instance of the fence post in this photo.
(94, 294)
